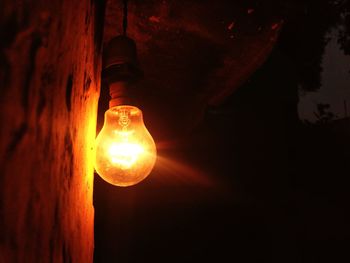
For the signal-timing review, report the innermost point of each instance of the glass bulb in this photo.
(125, 150)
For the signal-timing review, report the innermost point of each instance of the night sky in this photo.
(335, 86)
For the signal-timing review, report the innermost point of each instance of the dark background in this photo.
(251, 182)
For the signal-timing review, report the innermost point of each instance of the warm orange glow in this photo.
(125, 154)
(125, 151)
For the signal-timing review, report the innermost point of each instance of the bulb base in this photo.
(121, 94)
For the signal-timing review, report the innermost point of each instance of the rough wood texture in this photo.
(49, 79)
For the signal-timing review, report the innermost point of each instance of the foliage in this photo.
(323, 114)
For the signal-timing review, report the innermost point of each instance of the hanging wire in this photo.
(125, 16)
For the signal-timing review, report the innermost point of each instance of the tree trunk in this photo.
(49, 80)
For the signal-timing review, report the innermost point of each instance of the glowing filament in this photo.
(125, 154)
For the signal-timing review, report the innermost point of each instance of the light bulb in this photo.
(125, 150)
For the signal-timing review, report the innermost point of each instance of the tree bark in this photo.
(49, 89)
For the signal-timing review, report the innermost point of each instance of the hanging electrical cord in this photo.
(125, 16)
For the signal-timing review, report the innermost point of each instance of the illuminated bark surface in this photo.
(49, 77)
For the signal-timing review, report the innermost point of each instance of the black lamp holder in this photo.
(120, 70)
